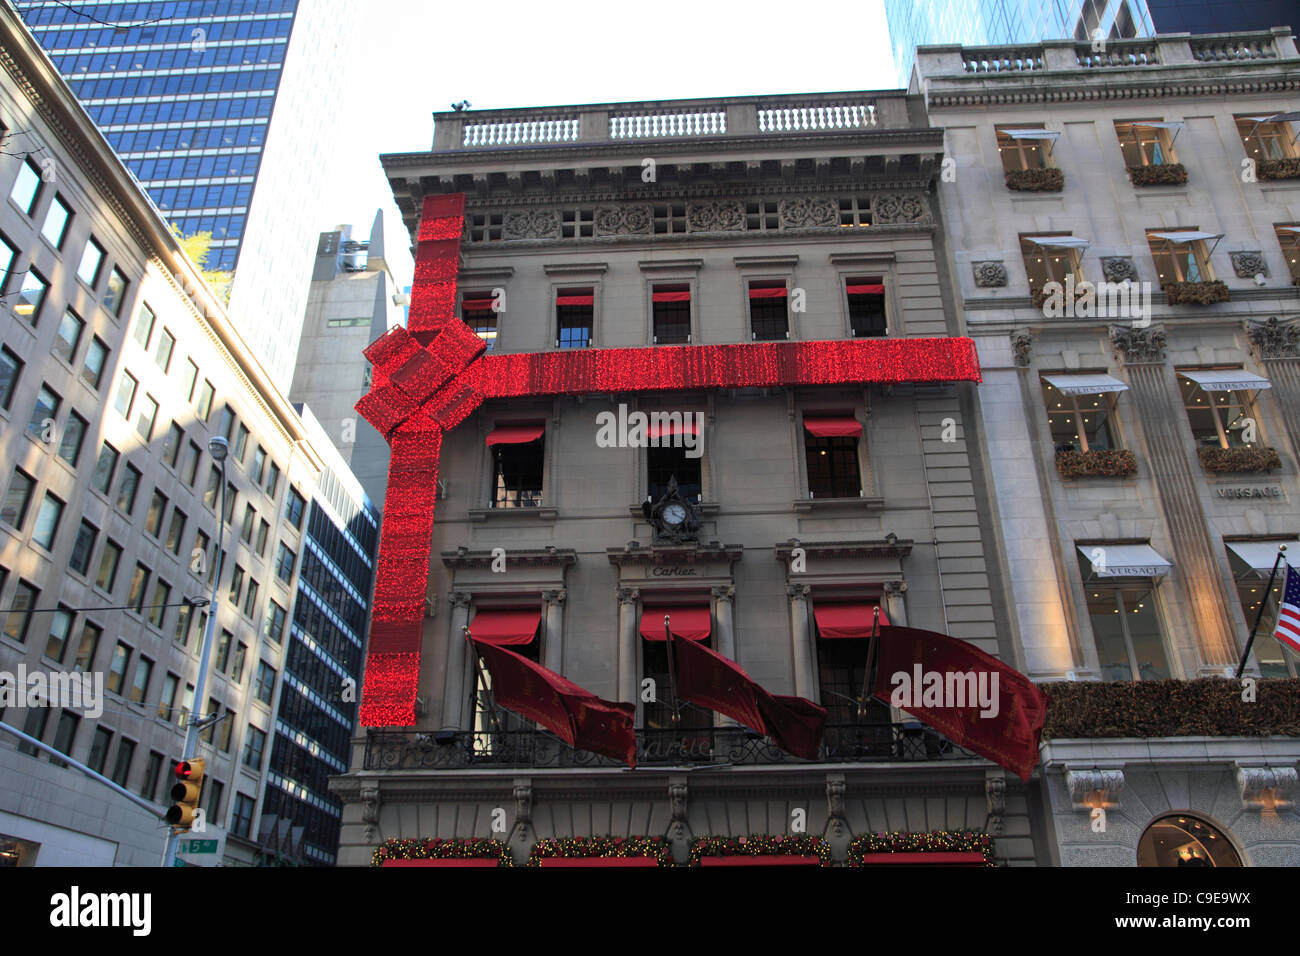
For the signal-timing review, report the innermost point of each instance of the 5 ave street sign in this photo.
(198, 846)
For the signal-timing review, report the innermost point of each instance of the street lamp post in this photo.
(219, 448)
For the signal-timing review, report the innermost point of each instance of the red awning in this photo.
(778, 293)
(598, 861)
(690, 427)
(476, 861)
(476, 305)
(769, 860)
(688, 623)
(671, 297)
(504, 628)
(866, 289)
(958, 858)
(834, 426)
(846, 620)
(515, 434)
(575, 300)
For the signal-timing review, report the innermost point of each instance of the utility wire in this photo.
(108, 23)
(195, 602)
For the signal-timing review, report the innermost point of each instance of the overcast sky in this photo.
(418, 56)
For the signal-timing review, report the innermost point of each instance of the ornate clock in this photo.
(672, 516)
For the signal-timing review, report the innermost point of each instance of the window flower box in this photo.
(1278, 169)
(1242, 458)
(1096, 463)
(1165, 174)
(1035, 180)
(1195, 293)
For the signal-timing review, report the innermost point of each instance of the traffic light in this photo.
(185, 793)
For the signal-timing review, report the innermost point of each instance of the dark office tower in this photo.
(1222, 16)
(213, 104)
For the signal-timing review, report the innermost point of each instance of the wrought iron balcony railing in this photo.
(463, 750)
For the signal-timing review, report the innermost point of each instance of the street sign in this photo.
(198, 846)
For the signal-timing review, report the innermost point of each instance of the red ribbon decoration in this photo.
(430, 376)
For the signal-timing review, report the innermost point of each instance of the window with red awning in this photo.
(515, 434)
(833, 426)
(847, 620)
(506, 627)
(687, 623)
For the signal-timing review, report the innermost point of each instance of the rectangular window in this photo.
(117, 669)
(250, 599)
(1019, 149)
(7, 256)
(152, 774)
(87, 534)
(236, 585)
(171, 684)
(34, 726)
(27, 186)
(1288, 238)
(294, 508)
(65, 736)
(99, 745)
(69, 336)
(668, 463)
(259, 466)
(91, 261)
(227, 732)
(237, 666)
(201, 545)
(148, 416)
(1145, 144)
(206, 395)
(105, 465)
(1179, 261)
(518, 469)
(125, 395)
(671, 306)
(108, 563)
(227, 425)
(31, 296)
(184, 617)
(191, 470)
(855, 213)
(44, 413)
(140, 685)
(60, 627)
(214, 707)
(74, 436)
(476, 311)
(769, 317)
(1080, 422)
(263, 529)
(253, 745)
(153, 521)
(18, 499)
(1126, 627)
(47, 521)
(222, 658)
(191, 379)
(139, 585)
(574, 315)
(89, 646)
(274, 625)
(57, 218)
(162, 355)
(1218, 418)
(127, 488)
(241, 443)
(831, 454)
(1045, 264)
(241, 823)
(122, 765)
(92, 373)
(213, 489)
(1266, 141)
(11, 367)
(187, 706)
(162, 595)
(115, 292)
(214, 798)
(273, 481)
(866, 298)
(176, 530)
(172, 444)
(264, 684)
(284, 565)
(231, 497)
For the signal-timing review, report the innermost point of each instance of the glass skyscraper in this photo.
(914, 23)
(220, 109)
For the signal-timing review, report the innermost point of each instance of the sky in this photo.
(414, 57)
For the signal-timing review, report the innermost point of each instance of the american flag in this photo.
(1288, 615)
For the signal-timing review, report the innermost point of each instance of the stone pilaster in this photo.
(805, 684)
(453, 688)
(553, 629)
(628, 599)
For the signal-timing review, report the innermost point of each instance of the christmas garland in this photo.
(760, 845)
(473, 849)
(605, 847)
(937, 841)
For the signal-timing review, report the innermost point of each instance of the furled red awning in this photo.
(769, 860)
(477, 304)
(687, 623)
(684, 296)
(834, 426)
(847, 620)
(599, 861)
(866, 289)
(575, 300)
(515, 434)
(689, 427)
(938, 858)
(506, 627)
(777, 293)
(479, 862)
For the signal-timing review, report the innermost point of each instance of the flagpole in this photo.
(1268, 589)
(482, 676)
(866, 675)
(672, 673)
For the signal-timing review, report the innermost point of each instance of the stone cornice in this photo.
(846, 550)
(666, 554)
(529, 558)
(1073, 87)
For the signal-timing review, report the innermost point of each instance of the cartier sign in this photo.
(673, 572)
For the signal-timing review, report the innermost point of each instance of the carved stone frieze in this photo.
(900, 208)
(1022, 346)
(715, 216)
(1138, 346)
(1273, 339)
(531, 224)
(370, 811)
(1267, 788)
(990, 275)
(1118, 268)
(1247, 265)
(995, 792)
(623, 220)
(1092, 788)
(806, 212)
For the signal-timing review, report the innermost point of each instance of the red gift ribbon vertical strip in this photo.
(401, 367)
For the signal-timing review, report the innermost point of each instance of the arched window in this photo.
(1180, 839)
